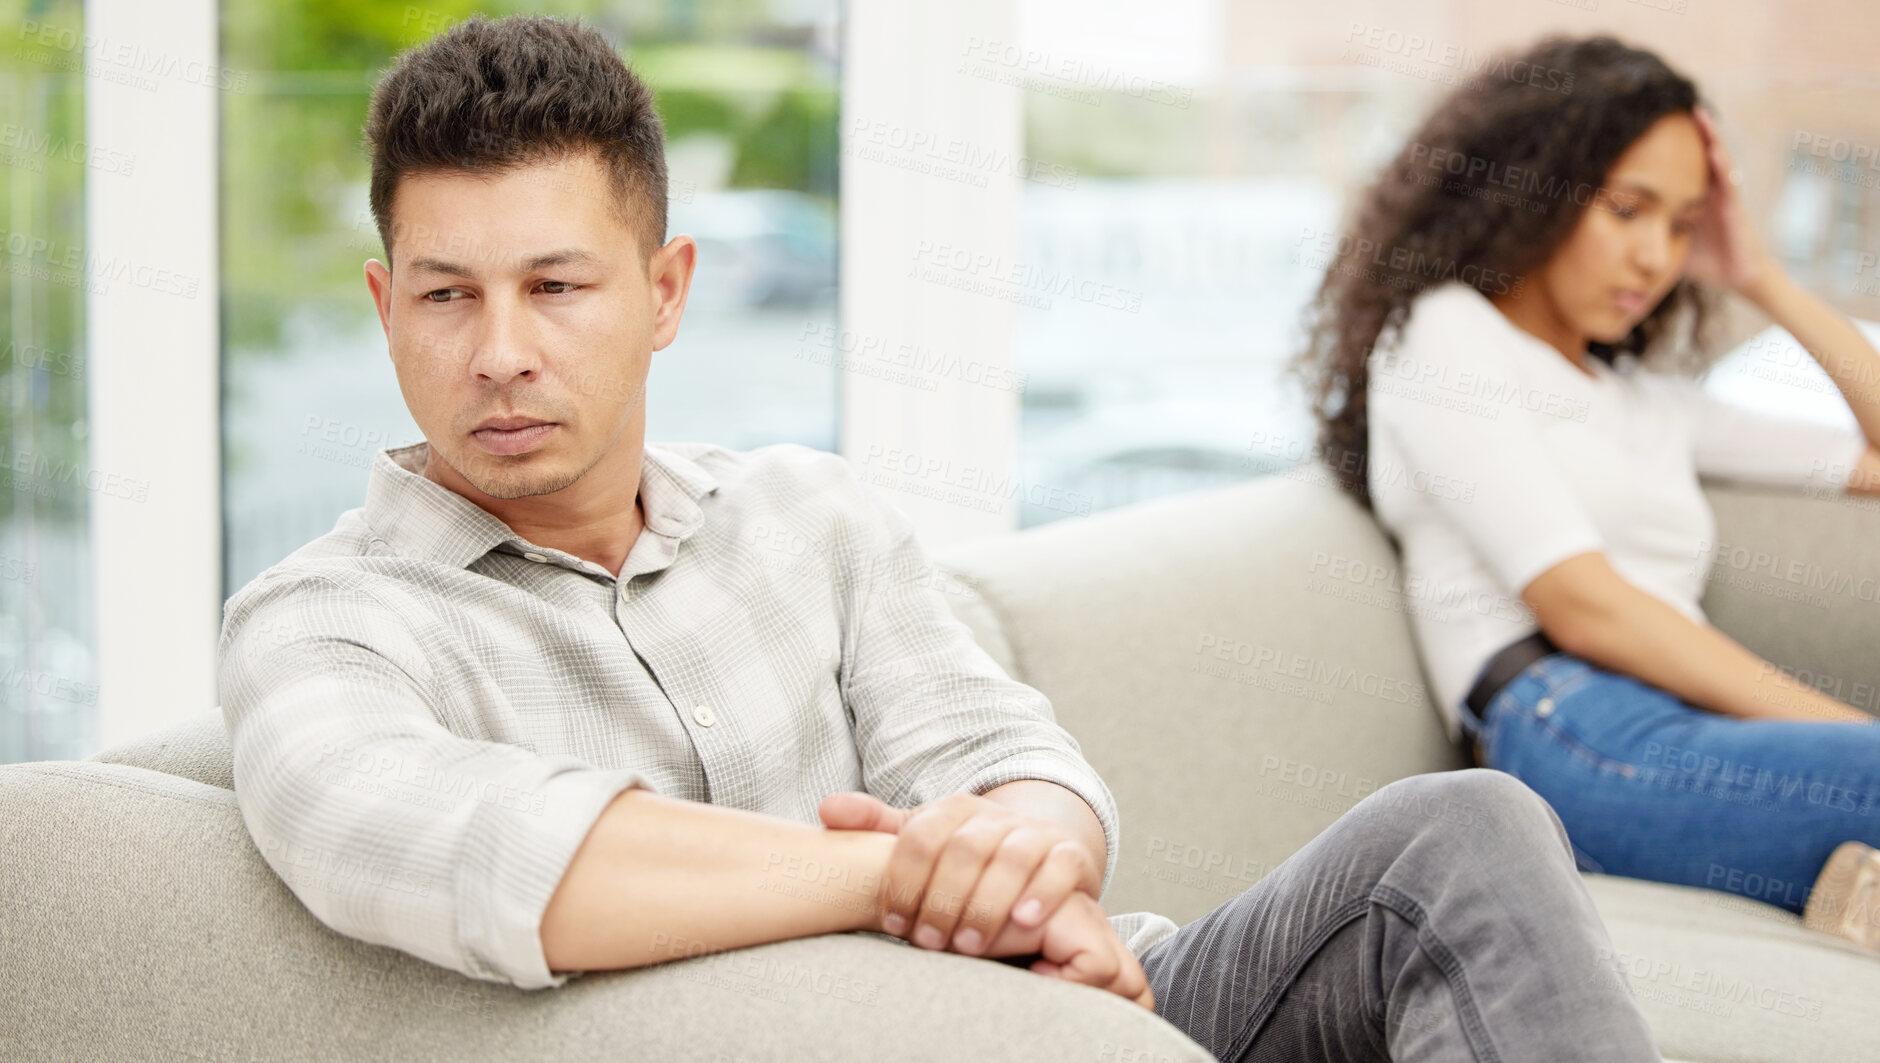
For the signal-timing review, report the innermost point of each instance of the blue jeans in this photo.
(1649, 787)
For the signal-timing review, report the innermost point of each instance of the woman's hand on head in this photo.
(1725, 249)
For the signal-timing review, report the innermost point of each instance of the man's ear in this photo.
(379, 283)
(670, 272)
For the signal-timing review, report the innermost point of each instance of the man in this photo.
(580, 695)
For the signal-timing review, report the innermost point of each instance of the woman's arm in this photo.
(1728, 253)
(1838, 345)
(1591, 611)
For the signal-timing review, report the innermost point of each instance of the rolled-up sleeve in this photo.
(933, 713)
(389, 827)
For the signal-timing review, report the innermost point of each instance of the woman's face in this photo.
(1629, 246)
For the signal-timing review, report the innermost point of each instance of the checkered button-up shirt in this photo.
(428, 712)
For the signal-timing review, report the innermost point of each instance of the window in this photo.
(1186, 157)
(48, 672)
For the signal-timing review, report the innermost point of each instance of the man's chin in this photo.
(514, 484)
(509, 479)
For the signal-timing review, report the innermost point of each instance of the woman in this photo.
(1484, 361)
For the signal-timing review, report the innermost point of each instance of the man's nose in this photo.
(504, 350)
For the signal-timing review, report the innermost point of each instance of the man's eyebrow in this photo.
(566, 256)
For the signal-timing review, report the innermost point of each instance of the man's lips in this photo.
(512, 435)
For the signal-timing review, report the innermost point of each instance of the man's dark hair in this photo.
(487, 96)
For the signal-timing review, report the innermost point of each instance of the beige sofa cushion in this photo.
(198, 749)
(1730, 980)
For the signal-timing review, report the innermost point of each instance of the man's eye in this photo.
(432, 296)
(565, 286)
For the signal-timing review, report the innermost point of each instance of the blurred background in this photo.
(1177, 158)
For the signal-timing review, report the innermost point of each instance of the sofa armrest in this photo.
(138, 919)
(197, 748)
(1797, 580)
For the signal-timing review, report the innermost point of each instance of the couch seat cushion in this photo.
(1723, 979)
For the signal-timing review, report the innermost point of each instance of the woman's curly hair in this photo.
(1484, 192)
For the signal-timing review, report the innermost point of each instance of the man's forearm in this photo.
(1049, 801)
(658, 879)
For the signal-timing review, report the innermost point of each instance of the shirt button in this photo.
(704, 715)
(1544, 707)
(537, 558)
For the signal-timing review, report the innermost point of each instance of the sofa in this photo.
(1238, 665)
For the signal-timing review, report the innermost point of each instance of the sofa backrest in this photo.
(1239, 666)
(1236, 663)
(1797, 580)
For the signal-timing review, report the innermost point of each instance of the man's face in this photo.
(521, 315)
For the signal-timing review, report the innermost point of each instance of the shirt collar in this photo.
(420, 518)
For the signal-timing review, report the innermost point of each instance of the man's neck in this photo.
(598, 518)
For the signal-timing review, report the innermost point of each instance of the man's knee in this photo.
(1467, 805)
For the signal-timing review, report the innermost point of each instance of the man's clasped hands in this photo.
(972, 876)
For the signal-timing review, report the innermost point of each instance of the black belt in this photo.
(1509, 661)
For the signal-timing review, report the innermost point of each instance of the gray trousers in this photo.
(1440, 919)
